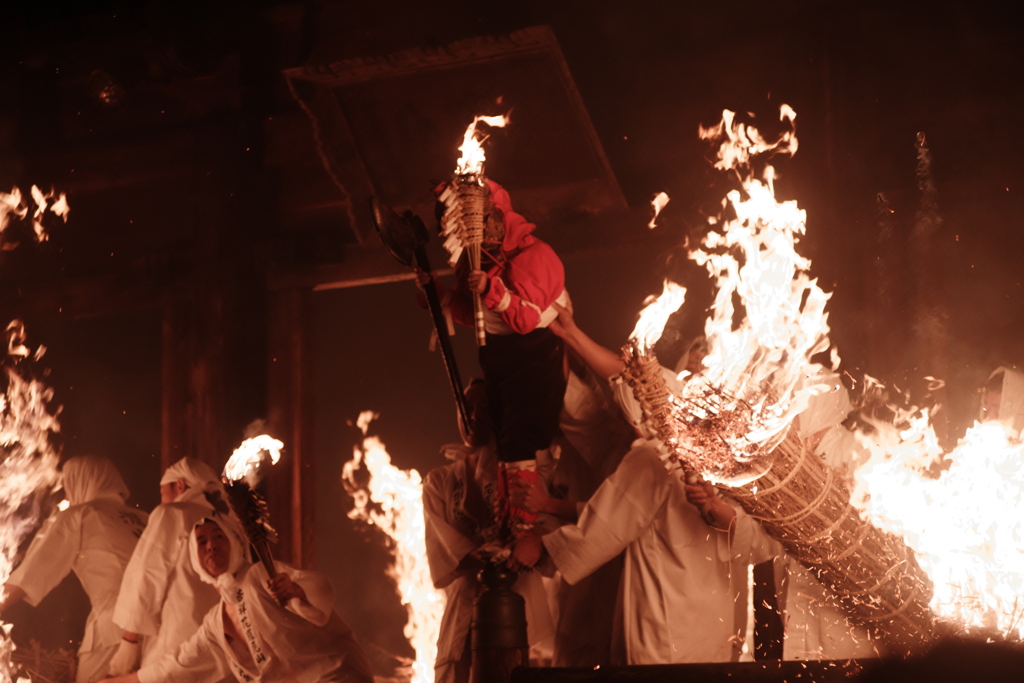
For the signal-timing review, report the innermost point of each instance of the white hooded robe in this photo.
(301, 642)
(94, 537)
(677, 592)
(162, 596)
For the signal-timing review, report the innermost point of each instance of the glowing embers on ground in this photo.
(392, 500)
(28, 459)
(965, 524)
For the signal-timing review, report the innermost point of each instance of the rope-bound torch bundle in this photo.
(251, 510)
(466, 199)
(800, 502)
(240, 474)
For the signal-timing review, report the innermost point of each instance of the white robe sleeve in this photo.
(446, 545)
(621, 509)
(748, 543)
(199, 659)
(319, 603)
(148, 573)
(50, 557)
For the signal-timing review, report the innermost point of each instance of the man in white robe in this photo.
(814, 627)
(162, 596)
(94, 537)
(272, 630)
(677, 592)
(458, 507)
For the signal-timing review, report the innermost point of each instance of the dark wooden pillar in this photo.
(768, 628)
(290, 487)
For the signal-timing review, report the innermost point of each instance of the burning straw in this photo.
(732, 423)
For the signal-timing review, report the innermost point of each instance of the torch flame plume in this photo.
(472, 160)
(759, 355)
(245, 461)
(28, 463)
(397, 498)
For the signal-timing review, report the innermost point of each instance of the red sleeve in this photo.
(527, 285)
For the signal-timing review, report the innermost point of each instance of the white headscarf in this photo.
(88, 477)
(199, 476)
(239, 556)
(1011, 403)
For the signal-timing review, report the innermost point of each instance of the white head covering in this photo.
(1011, 403)
(239, 557)
(88, 477)
(199, 476)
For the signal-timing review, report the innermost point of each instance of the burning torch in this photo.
(240, 476)
(465, 201)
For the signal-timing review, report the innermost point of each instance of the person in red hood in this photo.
(519, 280)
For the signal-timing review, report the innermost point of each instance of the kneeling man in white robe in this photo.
(270, 630)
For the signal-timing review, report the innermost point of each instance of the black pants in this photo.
(525, 388)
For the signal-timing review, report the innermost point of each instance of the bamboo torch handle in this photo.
(478, 305)
(267, 560)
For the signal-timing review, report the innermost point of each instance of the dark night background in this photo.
(200, 203)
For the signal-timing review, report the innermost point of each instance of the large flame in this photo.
(397, 496)
(472, 160)
(966, 525)
(28, 461)
(962, 513)
(753, 260)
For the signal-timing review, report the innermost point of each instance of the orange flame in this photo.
(472, 160)
(966, 525)
(245, 460)
(659, 202)
(753, 260)
(399, 495)
(655, 314)
(28, 464)
(14, 204)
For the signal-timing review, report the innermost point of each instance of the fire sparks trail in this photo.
(28, 460)
(397, 509)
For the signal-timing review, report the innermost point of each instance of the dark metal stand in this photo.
(498, 634)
